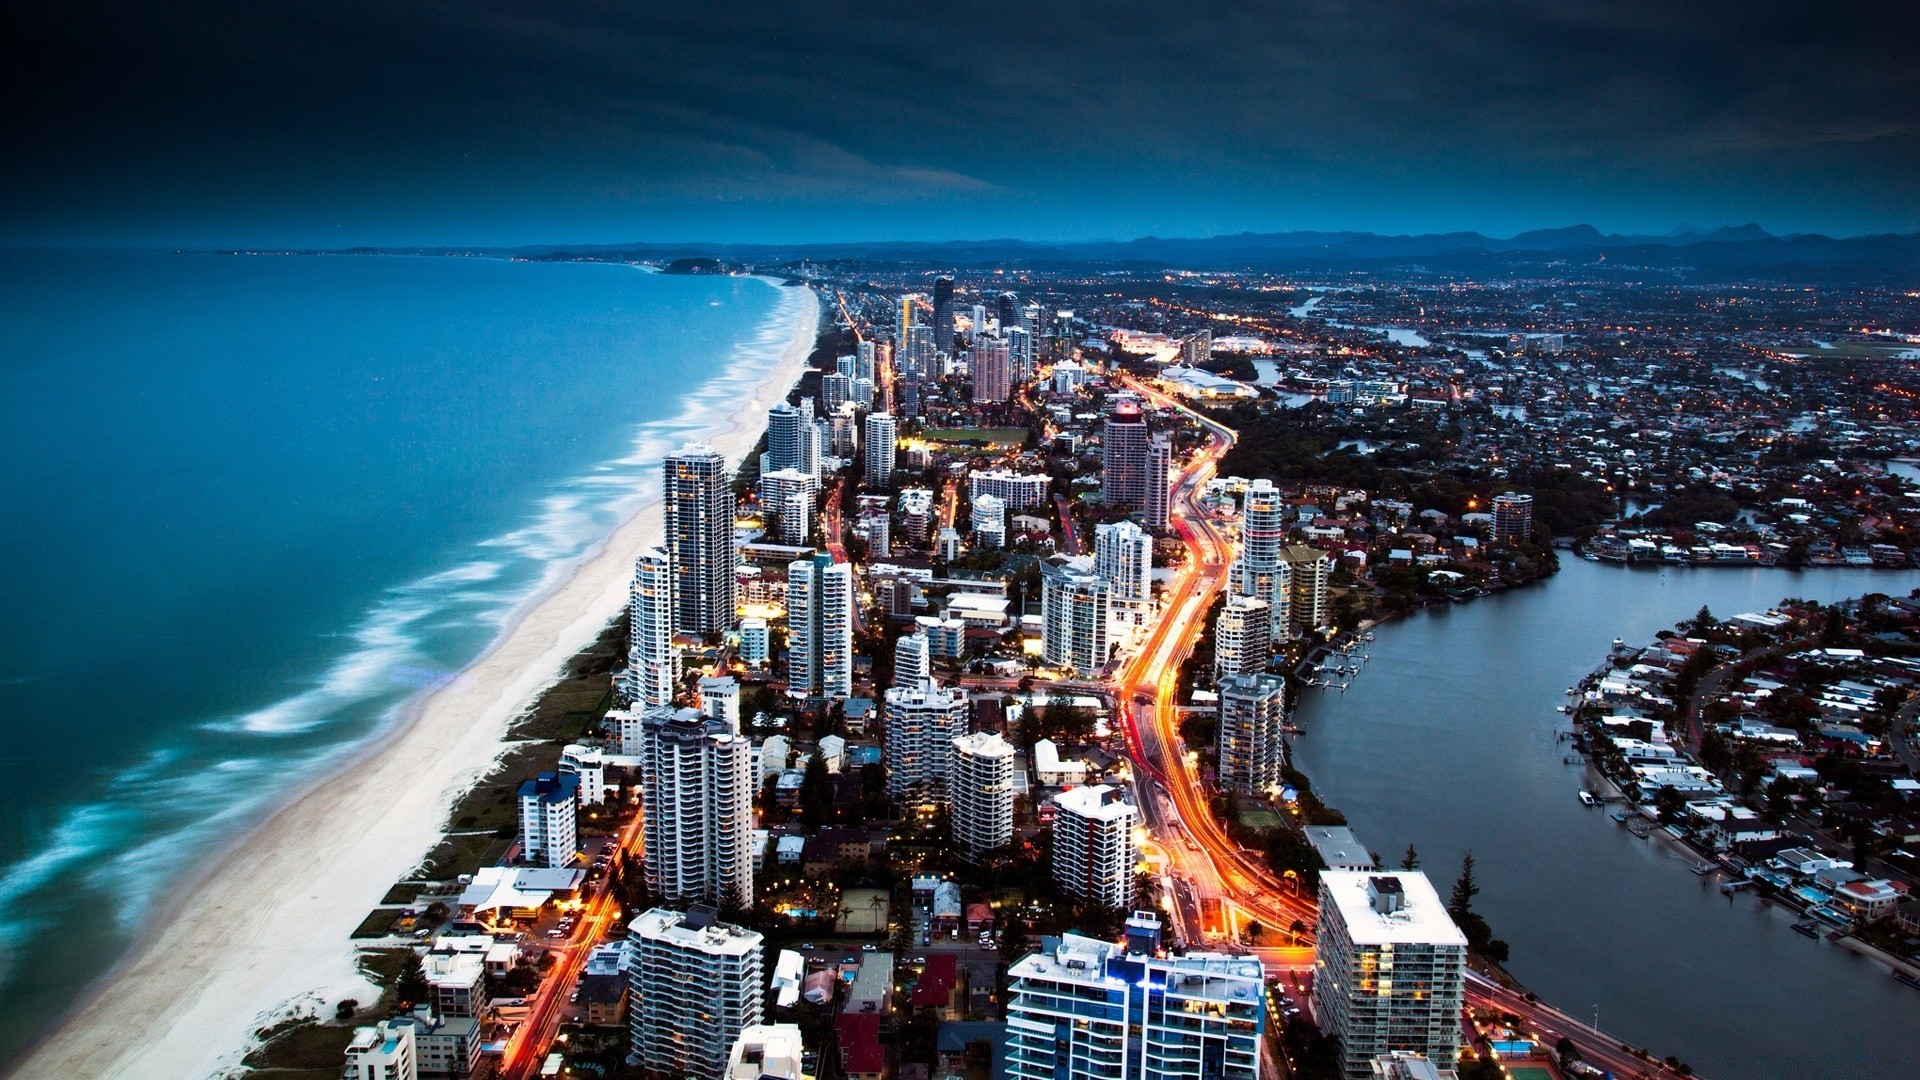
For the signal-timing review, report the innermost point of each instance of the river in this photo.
(1448, 740)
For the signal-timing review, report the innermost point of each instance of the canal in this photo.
(1448, 740)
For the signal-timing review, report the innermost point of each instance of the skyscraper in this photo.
(1159, 480)
(1123, 456)
(1253, 751)
(922, 719)
(1075, 608)
(697, 789)
(653, 664)
(880, 449)
(698, 494)
(1008, 310)
(820, 627)
(990, 366)
(980, 793)
(1389, 968)
(789, 493)
(1512, 518)
(1093, 852)
(1183, 1015)
(789, 432)
(1260, 572)
(943, 314)
(836, 389)
(1123, 557)
(1242, 637)
(696, 984)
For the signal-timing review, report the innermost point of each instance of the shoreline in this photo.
(251, 939)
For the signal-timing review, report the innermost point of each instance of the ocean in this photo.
(256, 502)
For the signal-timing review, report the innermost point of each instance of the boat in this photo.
(1619, 815)
(1731, 887)
(1907, 979)
(1807, 927)
(1587, 799)
(1704, 868)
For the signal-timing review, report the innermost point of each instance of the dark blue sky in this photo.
(348, 122)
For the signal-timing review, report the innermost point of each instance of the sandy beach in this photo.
(266, 931)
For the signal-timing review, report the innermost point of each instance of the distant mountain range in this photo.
(1728, 253)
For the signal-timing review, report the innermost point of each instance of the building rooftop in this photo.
(696, 929)
(1418, 918)
(1102, 802)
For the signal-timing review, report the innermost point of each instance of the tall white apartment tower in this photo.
(912, 660)
(820, 627)
(1159, 480)
(922, 721)
(1086, 1009)
(1075, 609)
(1389, 968)
(881, 433)
(653, 664)
(1093, 852)
(698, 494)
(1253, 709)
(790, 439)
(698, 787)
(1261, 572)
(980, 793)
(789, 493)
(697, 983)
(1123, 557)
(1123, 456)
(1242, 637)
(1512, 518)
(386, 1051)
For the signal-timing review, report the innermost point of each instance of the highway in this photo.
(547, 1010)
(1200, 858)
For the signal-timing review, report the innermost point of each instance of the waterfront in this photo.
(268, 500)
(1449, 741)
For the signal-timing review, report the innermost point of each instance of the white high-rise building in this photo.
(1018, 491)
(1074, 615)
(1253, 711)
(1159, 480)
(588, 764)
(549, 833)
(698, 496)
(836, 389)
(1123, 557)
(989, 520)
(697, 791)
(881, 438)
(980, 793)
(720, 699)
(1088, 1009)
(1512, 518)
(653, 664)
(922, 722)
(1123, 455)
(992, 370)
(912, 660)
(779, 490)
(1261, 572)
(1093, 852)
(789, 439)
(820, 627)
(1242, 637)
(754, 642)
(385, 1051)
(1389, 968)
(697, 984)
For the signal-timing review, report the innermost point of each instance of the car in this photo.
(556, 934)
(869, 947)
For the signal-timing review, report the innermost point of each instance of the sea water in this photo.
(252, 503)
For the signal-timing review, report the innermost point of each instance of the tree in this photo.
(1702, 622)
(816, 792)
(1460, 905)
(1669, 802)
(1411, 860)
(412, 986)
